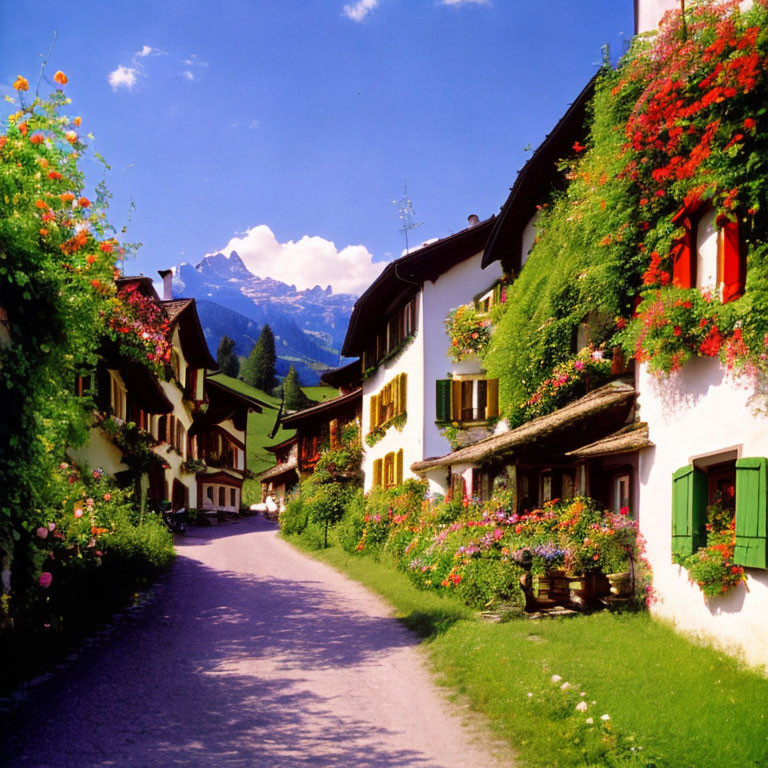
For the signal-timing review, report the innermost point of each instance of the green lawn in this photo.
(684, 704)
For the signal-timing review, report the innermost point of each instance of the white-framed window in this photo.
(707, 253)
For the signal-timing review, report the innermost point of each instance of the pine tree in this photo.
(294, 398)
(259, 368)
(228, 361)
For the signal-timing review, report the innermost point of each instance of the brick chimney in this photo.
(473, 219)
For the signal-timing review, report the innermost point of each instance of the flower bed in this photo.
(482, 551)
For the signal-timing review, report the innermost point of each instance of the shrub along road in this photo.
(250, 654)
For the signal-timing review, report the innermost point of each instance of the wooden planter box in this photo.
(559, 588)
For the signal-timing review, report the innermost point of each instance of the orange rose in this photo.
(43, 231)
(67, 197)
(71, 137)
(23, 129)
(55, 175)
(90, 258)
(106, 247)
(61, 78)
(84, 202)
(36, 138)
(3, 140)
(41, 204)
(21, 84)
(78, 120)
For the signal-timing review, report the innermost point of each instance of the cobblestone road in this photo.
(249, 655)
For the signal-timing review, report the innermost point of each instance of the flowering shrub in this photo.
(141, 325)
(469, 330)
(682, 117)
(482, 551)
(712, 567)
(568, 381)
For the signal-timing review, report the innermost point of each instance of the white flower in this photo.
(605, 718)
(581, 706)
(583, 693)
(556, 678)
(565, 686)
(589, 721)
(530, 695)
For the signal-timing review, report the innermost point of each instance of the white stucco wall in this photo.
(699, 411)
(410, 439)
(649, 12)
(455, 287)
(425, 361)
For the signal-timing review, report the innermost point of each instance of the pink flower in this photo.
(579, 365)
(42, 532)
(45, 579)
(78, 512)
(63, 465)
(51, 526)
(107, 496)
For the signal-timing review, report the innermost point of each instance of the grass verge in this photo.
(671, 702)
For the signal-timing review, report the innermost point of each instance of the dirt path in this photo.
(250, 655)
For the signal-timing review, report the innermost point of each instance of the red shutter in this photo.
(734, 265)
(683, 275)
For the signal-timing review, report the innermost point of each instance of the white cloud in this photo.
(146, 50)
(309, 262)
(359, 10)
(123, 77)
(188, 75)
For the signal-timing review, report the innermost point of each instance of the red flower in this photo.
(61, 78)
(578, 147)
(677, 330)
(749, 124)
(84, 202)
(36, 138)
(54, 175)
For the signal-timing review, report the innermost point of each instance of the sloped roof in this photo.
(183, 312)
(328, 408)
(290, 467)
(614, 394)
(536, 177)
(349, 375)
(284, 444)
(632, 438)
(401, 279)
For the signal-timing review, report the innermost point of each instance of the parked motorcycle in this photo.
(175, 520)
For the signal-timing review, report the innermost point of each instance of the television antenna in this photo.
(406, 213)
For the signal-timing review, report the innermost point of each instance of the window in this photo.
(742, 483)
(398, 328)
(467, 400)
(496, 295)
(222, 496)
(84, 384)
(709, 254)
(389, 402)
(621, 489)
(117, 396)
(392, 469)
(232, 497)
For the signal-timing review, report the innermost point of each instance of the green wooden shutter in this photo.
(443, 399)
(751, 519)
(689, 510)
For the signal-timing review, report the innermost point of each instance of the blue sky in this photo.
(297, 121)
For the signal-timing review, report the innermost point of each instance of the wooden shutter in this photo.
(689, 510)
(751, 518)
(399, 472)
(683, 258)
(443, 387)
(377, 472)
(403, 386)
(492, 403)
(455, 400)
(374, 412)
(733, 271)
